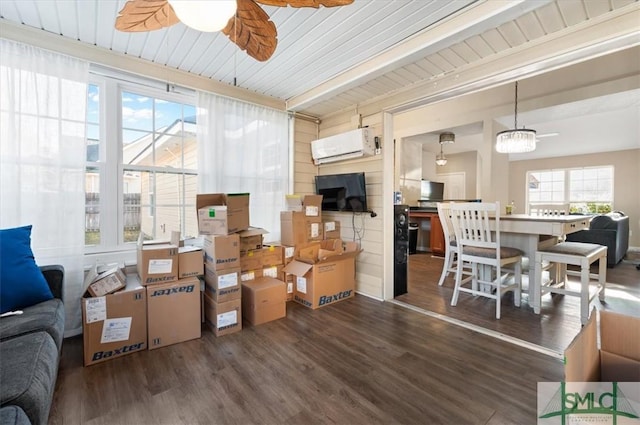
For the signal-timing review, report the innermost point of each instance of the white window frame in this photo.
(567, 184)
(110, 152)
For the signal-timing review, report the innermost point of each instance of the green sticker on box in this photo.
(212, 212)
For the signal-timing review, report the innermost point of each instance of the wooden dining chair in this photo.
(479, 246)
(450, 264)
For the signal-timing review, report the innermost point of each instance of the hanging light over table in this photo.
(444, 138)
(516, 140)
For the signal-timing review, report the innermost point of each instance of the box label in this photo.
(330, 226)
(289, 287)
(114, 330)
(301, 284)
(96, 309)
(270, 272)
(311, 210)
(160, 266)
(248, 276)
(227, 280)
(227, 319)
(315, 230)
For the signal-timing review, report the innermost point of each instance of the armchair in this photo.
(610, 230)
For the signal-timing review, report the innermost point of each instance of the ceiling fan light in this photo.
(204, 15)
(516, 141)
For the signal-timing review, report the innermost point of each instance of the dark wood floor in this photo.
(358, 361)
(554, 328)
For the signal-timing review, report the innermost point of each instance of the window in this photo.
(586, 190)
(141, 164)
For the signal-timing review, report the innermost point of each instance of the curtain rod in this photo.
(306, 117)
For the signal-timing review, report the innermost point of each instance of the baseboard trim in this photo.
(473, 327)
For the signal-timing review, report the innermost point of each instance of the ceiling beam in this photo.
(477, 17)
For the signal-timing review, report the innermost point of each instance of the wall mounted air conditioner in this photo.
(352, 144)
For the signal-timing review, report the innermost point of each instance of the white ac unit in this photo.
(352, 144)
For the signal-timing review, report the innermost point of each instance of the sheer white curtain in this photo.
(42, 158)
(244, 148)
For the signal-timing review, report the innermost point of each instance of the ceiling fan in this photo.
(249, 26)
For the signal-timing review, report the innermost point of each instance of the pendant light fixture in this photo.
(444, 138)
(516, 140)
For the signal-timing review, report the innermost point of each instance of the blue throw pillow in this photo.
(21, 282)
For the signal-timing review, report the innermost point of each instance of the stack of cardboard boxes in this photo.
(157, 306)
(319, 268)
(237, 266)
(163, 300)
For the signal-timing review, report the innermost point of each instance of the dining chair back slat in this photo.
(479, 246)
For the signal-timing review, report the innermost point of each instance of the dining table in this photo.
(532, 232)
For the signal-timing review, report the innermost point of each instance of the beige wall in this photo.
(369, 265)
(626, 196)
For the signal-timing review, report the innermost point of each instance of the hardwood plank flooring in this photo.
(554, 328)
(359, 361)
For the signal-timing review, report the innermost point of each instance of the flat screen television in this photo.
(432, 191)
(342, 192)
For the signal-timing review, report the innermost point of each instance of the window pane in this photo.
(137, 112)
(157, 203)
(92, 207)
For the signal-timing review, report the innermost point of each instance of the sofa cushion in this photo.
(28, 374)
(22, 281)
(13, 415)
(47, 316)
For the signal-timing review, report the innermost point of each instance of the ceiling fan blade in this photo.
(145, 15)
(252, 30)
(305, 3)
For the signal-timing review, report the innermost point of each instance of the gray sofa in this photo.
(30, 347)
(610, 230)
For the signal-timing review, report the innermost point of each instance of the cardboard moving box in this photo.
(324, 276)
(263, 300)
(296, 228)
(310, 205)
(106, 282)
(223, 318)
(222, 285)
(331, 230)
(251, 238)
(221, 214)
(116, 324)
(190, 261)
(222, 252)
(157, 262)
(618, 357)
(173, 312)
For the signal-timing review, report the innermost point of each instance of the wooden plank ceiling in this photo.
(330, 59)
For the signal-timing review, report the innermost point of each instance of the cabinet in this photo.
(436, 240)
(437, 236)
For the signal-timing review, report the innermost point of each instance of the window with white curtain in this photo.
(42, 165)
(141, 164)
(586, 189)
(244, 148)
